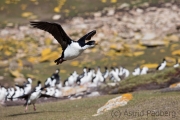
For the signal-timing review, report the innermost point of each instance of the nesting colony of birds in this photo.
(75, 86)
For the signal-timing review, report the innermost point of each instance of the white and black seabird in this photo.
(105, 74)
(71, 49)
(11, 91)
(71, 80)
(3, 94)
(33, 96)
(81, 75)
(87, 77)
(136, 71)
(144, 70)
(162, 65)
(56, 76)
(114, 75)
(177, 64)
(19, 91)
(28, 86)
(123, 72)
(98, 77)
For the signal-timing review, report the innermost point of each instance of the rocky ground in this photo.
(120, 31)
(117, 28)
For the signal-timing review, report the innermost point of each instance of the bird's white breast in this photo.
(72, 51)
(163, 65)
(34, 96)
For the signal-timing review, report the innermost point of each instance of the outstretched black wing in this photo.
(44, 95)
(26, 96)
(55, 29)
(87, 36)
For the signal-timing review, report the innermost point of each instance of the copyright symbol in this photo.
(115, 113)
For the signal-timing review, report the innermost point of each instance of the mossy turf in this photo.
(142, 106)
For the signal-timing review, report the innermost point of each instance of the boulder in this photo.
(56, 17)
(153, 43)
(149, 36)
(172, 38)
(114, 103)
(124, 5)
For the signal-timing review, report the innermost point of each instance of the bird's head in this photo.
(29, 80)
(57, 71)
(39, 82)
(91, 44)
(164, 59)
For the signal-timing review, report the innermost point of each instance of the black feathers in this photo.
(56, 30)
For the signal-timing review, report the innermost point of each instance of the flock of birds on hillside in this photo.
(71, 49)
(53, 85)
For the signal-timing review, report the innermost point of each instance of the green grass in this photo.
(155, 79)
(83, 109)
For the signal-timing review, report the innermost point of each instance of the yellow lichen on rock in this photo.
(45, 52)
(127, 96)
(54, 55)
(137, 47)
(113, 1)
(175, 85)
(114, 103)
(176, 52)
(7, 53)
(63, 71)
(26, 14)
(170, 59)
(16, 74)
(173, 46)
(172, 38)
(138, 53)
(128, 54)
(150, 65)
(103, 1)
(30, 76)
(75, 63)
(33, 59)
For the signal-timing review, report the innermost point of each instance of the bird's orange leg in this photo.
(34, 107)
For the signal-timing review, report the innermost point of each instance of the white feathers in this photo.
(136, 71)
(106, 74)
(124, 71)
(48, 81)
(72, 79)
(72, 51)
(176, 65)
(98, 77)
(87, 77)
(144, 70)
(58, 93)
(162, 65)
(34, 96)
(27, 88)
(3, 94)
(114, 74)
